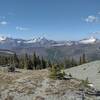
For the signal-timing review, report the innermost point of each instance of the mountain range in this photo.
(53, 49)
(7, 43)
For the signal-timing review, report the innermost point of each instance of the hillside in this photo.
(35, 85)
(90, 70)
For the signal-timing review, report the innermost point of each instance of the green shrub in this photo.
(85, 82)
(56, 72)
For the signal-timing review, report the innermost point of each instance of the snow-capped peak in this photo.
(2, 38)
(88, 41)
(35, 40)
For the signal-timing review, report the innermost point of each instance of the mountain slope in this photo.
(90, 70)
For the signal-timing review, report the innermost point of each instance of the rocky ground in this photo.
(35, 85)
(89, 70)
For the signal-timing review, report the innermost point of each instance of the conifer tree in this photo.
(73, 63)
(38, 62)
(56, 72)
(10, 60)
(21, 63)
(30, 66)
(53, 72)
(26, 61)
(6, 60)
(80, 62)
(15, 60)
(34, 60)
(84, 58)
(43, 63)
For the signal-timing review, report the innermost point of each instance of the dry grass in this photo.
(35, 84)
(9, 97)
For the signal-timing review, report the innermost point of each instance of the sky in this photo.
(53, 19)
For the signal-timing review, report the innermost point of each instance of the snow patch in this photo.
(88, 41)
(2, 38)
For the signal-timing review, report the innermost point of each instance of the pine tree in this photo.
(38, 62)
(84, 58)
(11, 60)
(34, 60)
(73, 63)
(53, 72)
(30, 66)
(6, 60)
(43, 63)
(15, 60)
(80, 62)
(21, 63)
(56, 72)
(26, 61)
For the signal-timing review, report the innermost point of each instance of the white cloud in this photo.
(3, 22)
(91, 19)
(21, 28)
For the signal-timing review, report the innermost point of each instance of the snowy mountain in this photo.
(34, 40)
(2, 38)
(40, 40)
(8, 43)
(90, 40)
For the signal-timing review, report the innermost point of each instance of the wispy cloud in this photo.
(21, 28)
(92, 19)
(3, 22)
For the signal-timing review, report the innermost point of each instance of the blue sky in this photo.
(54, 19)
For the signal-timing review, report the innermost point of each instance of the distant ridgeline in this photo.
(51, 49)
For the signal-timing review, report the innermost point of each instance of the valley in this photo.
(52, 49)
